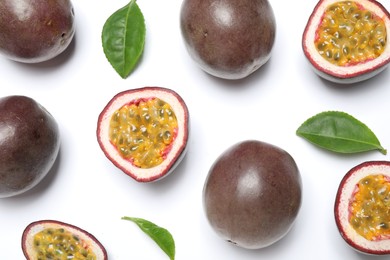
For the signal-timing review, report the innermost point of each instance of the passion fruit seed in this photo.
(143, 131)
(349, 34)
(59, 244)
(370, 207)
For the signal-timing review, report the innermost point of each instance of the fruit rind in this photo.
(347, 74)
(344, 192)
(252, 194)
(177, 151)
(37, 226)
(30, 143)
(248, 27)
(35, 34)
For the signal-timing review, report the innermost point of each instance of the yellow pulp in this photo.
(349, 34)
(370, 207)
(59, 244)
(143, 131)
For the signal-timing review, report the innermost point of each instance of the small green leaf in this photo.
(123, 38)
(339, 132)
(160, 235)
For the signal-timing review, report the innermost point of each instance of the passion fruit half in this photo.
(144, 132)
(52, 239)
(347, 41)
(252, 194)
(362, 207)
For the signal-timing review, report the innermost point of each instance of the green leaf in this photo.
(339, 132)
(123, 38)
(160, 235)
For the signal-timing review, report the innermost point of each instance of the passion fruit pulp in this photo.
(252, 194)
(362, 207)
(346, 41)
(52, 239)
(144, 132)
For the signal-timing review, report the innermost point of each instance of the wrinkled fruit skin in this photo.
(33, 31)
(37, 226)
(377, 199)
(29, 144)
(228, 39)
(252, 194)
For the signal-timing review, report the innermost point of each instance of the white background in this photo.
(86, 190)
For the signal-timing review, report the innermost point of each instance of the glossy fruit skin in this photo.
(177, 151)
(36, 226)
(226, 38)
(344, 192)
(29, 144)
(33, 31)
(348, 74)
(252, 194)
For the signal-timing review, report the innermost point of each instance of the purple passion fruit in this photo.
(226, 38)
(252, 194)
(346, 41)
(144, 132)
(362, 207)
(29, 144)
(34, 31)
(51, 239)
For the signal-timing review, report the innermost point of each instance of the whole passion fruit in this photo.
(144, 132)
(346, 41)
(252, 194)
(226, 38)
(34, 31)
(52, 239)
(362, 207)
(29, 144)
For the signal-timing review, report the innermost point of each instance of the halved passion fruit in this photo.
(362, 207)
(346, 41)
(144, 132)
(51, 239)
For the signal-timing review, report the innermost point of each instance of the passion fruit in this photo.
(362, 207)
(34, 31)
(346, 41)
(252, 194)
(52, 239)
(144, 132)
(226, 38)
(29, 144)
